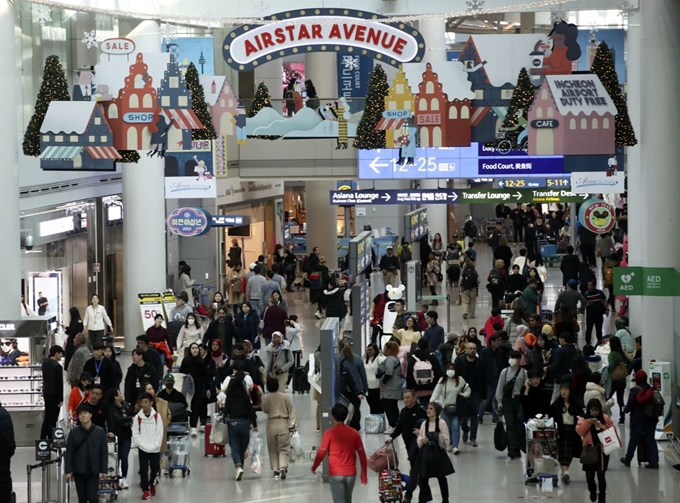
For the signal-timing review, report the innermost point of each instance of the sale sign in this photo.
(150, 304)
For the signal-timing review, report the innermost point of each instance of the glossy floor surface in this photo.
(482, 474)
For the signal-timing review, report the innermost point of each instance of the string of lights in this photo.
(219, 22)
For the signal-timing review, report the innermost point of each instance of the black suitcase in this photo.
(300, 381)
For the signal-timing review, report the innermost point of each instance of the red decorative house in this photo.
(572, 115)
(441, 123)
(133, 114)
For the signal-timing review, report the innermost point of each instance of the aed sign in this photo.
(138, 118)
(545, 123)
(322, 30)
(117, 46)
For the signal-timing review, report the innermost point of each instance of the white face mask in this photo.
(512, 362)
(450, 373)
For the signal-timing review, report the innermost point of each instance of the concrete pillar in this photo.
(271, 74)
(10, 249)
(322, 69)
(653, 217)
(144, 226)
(322, 221)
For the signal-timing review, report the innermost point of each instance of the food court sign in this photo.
(319, 30)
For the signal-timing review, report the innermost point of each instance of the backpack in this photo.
(423, 373)
(471, 229)
(315, 280)
(304, 265)
(495, 278)
(470, 279)
(139, 421)
(654, 409)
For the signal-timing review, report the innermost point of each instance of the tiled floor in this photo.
(482, 474)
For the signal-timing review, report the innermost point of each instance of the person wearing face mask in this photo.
(190, 333)
(472, 371)
(222, 329)
(508, 392)
(449, 389)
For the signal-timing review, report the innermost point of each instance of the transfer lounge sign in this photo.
(322, 30)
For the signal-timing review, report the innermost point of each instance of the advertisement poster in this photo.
(196, 50)
(189, 174)
(150, 304)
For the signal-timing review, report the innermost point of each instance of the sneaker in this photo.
(152, 490)
(473, 443)
(123, 484)
(449, 448)
(465, 316)
(622, 420)
(276, 475)
(284, 474)
(194, 432)
(239, 473)
(456, 451)
(318, 315)
(627, 463)
(146, 495)
(389, 430)
(652, 467)
(201, 429)
(565, 478)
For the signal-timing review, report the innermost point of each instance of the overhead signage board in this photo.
(529, 182)
(646, 281)
(360, 253)
(455, 162)
(189, 222)
(228, 220)
(454, 196)
(415, 225)
(322, 30)
(598, 182)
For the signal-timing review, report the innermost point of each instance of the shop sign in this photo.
(598, 182)
(138, 118)
(228, 220)
(189, 222)
(117, 46)
(322, 30)
(56, 226)
(596, 215)
(545, 124)
(396, 114)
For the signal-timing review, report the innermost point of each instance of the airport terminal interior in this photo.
(323, 178)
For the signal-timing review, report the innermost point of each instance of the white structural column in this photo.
(322, 220)
(322, 69)
(434, 33)
(144, 225)
(10, 251)
(653, 177)
(271, 74)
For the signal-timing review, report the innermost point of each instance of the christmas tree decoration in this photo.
(367, 137)
(53, 88)
(129, 156)
(199, 106)
(261, 100)
(518, 111)
(603, 67)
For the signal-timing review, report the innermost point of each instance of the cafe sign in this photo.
(322, 30)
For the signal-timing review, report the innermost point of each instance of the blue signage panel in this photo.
(189, 222)
(415, 225)
(353, 74)
(403, 196)
(529, 182)
(228, 220)
(455, 162)
(360, 253)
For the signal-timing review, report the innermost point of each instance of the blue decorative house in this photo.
(490, 103)
(75, 136)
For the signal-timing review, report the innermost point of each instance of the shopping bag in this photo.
(459, 300)
(610, 440)
(219, 433)
(500, 438)
(253, 452)
(296, 444)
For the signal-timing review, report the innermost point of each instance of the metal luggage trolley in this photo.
(179, 448)
(541, 448)
(109, 485)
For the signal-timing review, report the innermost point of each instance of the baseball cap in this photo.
(572, 283)
(169, 377)
(252, 266)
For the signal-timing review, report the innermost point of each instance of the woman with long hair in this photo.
(448, 389)
(432, 461)
(617, 358)
(372, 360)
(433, 271)
(247, 323)
(588, 427)
(194, 365)
(218, 301)
(513, 322)
(75, 327)
(438, 245)
(566, 410)
(111, 356)
(185, 283)
(504, 252)
(79, 394)
(240, 415)
(352, 381)
(579, 376)
(409, 334)
(391, 384)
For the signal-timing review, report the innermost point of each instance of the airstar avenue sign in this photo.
(319, 30)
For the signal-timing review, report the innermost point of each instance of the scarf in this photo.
(277, 349)
(218, 353)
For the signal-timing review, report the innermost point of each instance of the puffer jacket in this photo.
(392, 379)
(335, 304)
(91, 458)
(596, 391)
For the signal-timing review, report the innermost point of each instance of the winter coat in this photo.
(148, 432)
(230, 333)
(120, 420)
(596, 391)
(371, 370)
(561, 364)
(77, 364)
(92, 455)
(335, 304)
(136, 375)
(585, 430)
(284, 361)
(448, 391)
(247, 325)
(392, 379)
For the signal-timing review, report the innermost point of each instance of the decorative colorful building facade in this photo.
(399, 97)
(222, 102)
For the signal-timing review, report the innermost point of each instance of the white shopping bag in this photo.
(610, 440)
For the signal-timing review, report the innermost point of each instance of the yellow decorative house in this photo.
(399, 97)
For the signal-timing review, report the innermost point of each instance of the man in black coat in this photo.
(561, 365)
(53, 390)
(8, 446)
(137, 373)
(102, 369)
(570, 266)
(222, 328)
(153, 357)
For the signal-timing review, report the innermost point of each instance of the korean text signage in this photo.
(42, 450)
(415, 225)
(646, 281)
(189, 222)
(597, 216)
(58, 438)
(319, 30)
(360, 253)
(353, 74)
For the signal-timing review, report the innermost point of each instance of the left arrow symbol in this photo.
(374, 165)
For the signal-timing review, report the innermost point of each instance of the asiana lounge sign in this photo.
(319, 30)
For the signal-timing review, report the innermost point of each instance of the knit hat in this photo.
(640, 377)
(547, 330)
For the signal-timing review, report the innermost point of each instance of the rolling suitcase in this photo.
(214, 450)
(390, 487)
(300, 380)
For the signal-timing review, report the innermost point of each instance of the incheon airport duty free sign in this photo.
(322, 30)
